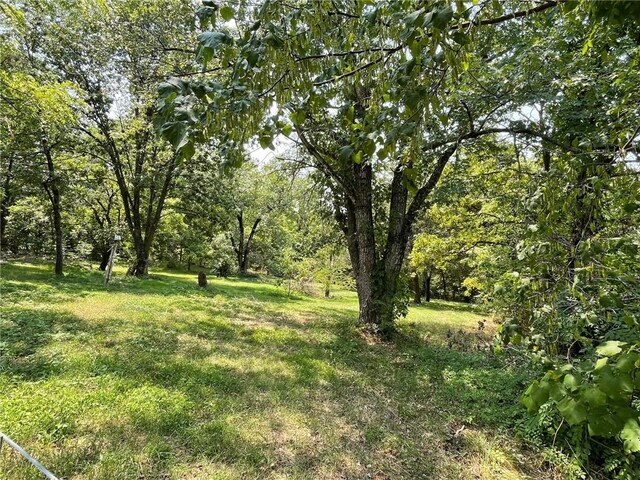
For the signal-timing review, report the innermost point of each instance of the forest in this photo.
(342, 239)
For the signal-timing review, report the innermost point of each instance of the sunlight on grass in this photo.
(159, 379)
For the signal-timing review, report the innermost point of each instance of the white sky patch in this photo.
(121, 100)
(262, 156)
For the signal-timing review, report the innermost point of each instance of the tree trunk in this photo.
(416, 289)
(105, 258)
(427, 288)
(141, 266)
(4, 214)
(241, 249)
(7, 199)
(352, 187)
(546, 160)
(369, 295)
(53, 192)
(57, 226)
(444, 286)
(244, 263)
(329, 279)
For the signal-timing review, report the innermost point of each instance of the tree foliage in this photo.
(487, 148)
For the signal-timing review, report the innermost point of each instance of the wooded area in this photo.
(412, 152)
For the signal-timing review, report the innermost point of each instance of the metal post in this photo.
(29, 458)
(112, 258)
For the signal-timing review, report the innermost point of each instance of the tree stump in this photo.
(202, 279)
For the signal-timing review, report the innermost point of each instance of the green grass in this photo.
(158, 379)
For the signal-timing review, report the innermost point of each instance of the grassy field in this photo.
(158, 379)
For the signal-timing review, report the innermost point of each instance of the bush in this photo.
(573, 302)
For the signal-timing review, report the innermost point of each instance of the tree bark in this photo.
(444, 285)
(417, 294)
(329, 279)
(53, 192)
(141, 266)
(106, 252)
(427, 288)
(242, 248)
(367, 281)
(7, 199)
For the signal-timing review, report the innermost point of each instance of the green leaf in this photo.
(461, 38)
(413, 17)
(602, 424)
(593, 396)
(631, 435)
(600, 363)
(409, 176)
(535, 396)
(615, 386)
(413, 99)
(626, 362)
(572, 411)
(298, 117)
(571, 381)
(176, 134)
(369, 147)
(344, 154)
(428, 19)
(187, 151)
(213, 40)
(265, 139)
(371, 16)
(205, 14)
(610, 348)
(442, 18)
(274, 40)
(227, 13)
(171, 87)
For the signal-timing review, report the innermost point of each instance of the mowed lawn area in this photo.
(158, 379)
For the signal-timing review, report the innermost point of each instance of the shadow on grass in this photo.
(256, 388)
(23, 333)
(38, 283)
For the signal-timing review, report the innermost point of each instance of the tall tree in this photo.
(38, 113)
(380, 96)
(240, 202)
(116, 53)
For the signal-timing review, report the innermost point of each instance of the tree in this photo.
(42, 110)
(116, 53)
(98, 212)
(570, 295)
(380, 97)
(477, 218)
(250, 205)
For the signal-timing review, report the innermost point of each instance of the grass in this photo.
(158, 379)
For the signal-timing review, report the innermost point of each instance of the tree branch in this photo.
(509, 16)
